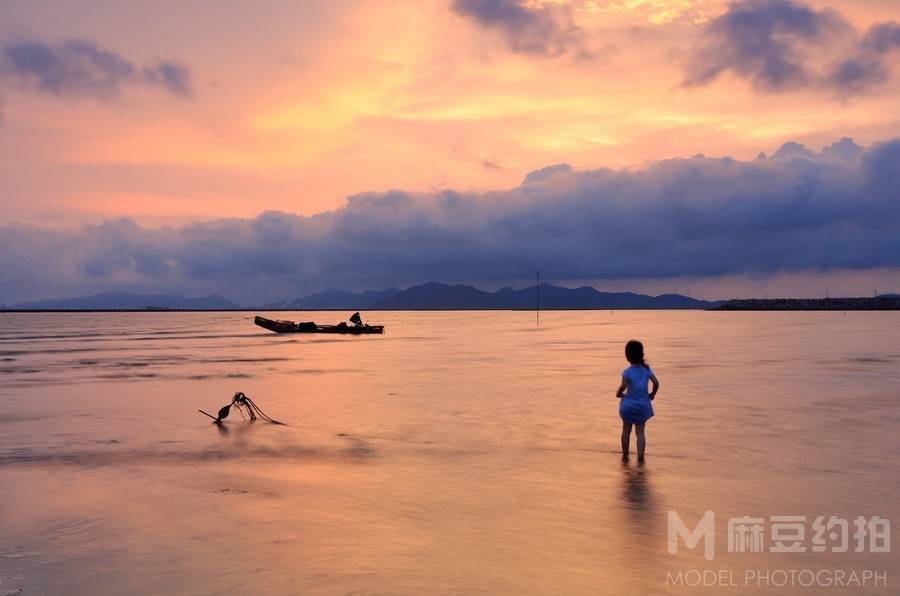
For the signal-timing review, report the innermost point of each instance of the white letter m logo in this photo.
(706, 529)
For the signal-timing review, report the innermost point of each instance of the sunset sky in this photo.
(265, 150)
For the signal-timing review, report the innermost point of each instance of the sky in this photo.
(271, 149)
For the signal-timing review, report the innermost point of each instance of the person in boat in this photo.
(356, 319)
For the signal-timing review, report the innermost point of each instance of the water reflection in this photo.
(637, 494)
(426, 461)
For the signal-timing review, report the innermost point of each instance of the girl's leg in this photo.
(626, 437)
(641, 440)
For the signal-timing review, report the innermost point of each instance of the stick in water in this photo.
(208, 414)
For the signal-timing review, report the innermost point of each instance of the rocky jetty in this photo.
(891, 302)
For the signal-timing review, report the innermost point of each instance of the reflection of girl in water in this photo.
(635, 408)
(635, 488)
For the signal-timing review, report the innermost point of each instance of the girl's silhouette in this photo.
(635, 408)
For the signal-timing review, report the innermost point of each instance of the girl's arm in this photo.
(622, 387)
(655, 383)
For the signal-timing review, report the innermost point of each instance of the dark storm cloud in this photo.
(883, 38)
(800, 210)
(869, 64)
(543, 30)
(763, 41)
(778, 45)
(80, 67)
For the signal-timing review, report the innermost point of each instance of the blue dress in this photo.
(634, 407)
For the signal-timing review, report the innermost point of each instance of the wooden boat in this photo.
(310, 327)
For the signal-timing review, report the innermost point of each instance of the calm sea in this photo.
(460, 453)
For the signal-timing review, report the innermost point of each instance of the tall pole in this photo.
(537, 297)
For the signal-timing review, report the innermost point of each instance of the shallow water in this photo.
(460, 453)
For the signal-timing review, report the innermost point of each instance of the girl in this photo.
(635, 408)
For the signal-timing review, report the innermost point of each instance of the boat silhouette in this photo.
(310, 327)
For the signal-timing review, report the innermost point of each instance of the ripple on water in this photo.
(358, 451)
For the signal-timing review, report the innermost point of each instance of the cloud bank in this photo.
(775, 45)
(779, 45)
(82, 68)
(799, 210)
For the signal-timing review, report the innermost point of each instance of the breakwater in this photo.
(874, 303)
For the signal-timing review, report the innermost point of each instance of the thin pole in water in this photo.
(537, 297)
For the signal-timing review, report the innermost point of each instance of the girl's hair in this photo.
(634, 353)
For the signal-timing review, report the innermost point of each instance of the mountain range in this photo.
(343, 299)
(438, 296)
(128, 301)
(433, 295)
(427, 296)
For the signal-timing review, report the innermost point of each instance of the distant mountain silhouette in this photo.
(427, 296)
(343, 299)
(438, 296)
(127, 301)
